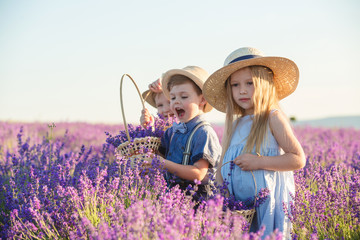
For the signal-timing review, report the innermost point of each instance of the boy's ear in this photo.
(203, 101)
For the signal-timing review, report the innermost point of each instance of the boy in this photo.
(184, 89)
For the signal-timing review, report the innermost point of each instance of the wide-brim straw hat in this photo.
(149, 97)
(196, 74)
(286, 75)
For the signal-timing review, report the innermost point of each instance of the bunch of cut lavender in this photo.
(250, 203)
(157, 130)
(164, 122)
(229, 200)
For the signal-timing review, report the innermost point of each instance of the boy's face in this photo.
(163, 105)
(185, 103)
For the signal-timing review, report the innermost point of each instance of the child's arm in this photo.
(188, 172)
(294, 157)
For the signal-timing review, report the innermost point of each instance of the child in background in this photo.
(155, 97)
(248, 89)
(184, 89)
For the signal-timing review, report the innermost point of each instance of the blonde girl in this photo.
(258, 138)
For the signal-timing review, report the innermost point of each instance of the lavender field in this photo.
(64, 181)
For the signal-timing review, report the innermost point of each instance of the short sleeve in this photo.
(205, 145)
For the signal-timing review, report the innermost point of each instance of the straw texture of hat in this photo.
(286, 75)
(149, 97)
(196, 74)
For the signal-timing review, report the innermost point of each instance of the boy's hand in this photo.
(247, 162)
(147, 163)
(146, 119)
(154, 155)
(156, 86)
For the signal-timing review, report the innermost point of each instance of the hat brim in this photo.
(286, 78)
(167, 76)
(149, 97)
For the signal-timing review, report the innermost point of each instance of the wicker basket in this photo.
(134, 149)
(249, 213)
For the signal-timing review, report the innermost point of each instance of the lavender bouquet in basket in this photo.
(233, 205)
(137, 140)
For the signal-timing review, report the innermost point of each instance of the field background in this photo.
(64, 182)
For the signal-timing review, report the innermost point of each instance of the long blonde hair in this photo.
(265, 99)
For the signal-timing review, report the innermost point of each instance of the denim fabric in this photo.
(205, 144)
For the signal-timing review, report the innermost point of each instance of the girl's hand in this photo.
(247, 162)
(156, 86)
(146, 119)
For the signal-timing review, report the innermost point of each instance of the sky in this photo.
(63, 60)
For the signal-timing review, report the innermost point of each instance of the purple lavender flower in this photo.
(75, 187)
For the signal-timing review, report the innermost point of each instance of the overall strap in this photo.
(186, 154)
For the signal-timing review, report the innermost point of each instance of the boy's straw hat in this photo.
(149, 97)
(286, 75)
(196, 74)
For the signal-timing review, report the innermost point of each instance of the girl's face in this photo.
(163, 105)
(185, 103)
(242, 88)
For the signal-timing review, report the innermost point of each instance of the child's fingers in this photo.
(237, 160)
(158, 82)
(145, 118)
(152, 85)
(247, 161)
(145, 111)
(153, 155)
(156, 89)
(155, 86)
(238, 163)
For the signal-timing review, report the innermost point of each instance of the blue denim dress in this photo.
(205, 144)
(241, 183)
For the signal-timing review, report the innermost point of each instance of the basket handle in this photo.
(121, 101)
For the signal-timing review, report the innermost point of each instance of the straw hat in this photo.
(286, 75)
(149, 97)
(196, 74)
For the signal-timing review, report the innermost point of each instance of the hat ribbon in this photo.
(244, 58)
